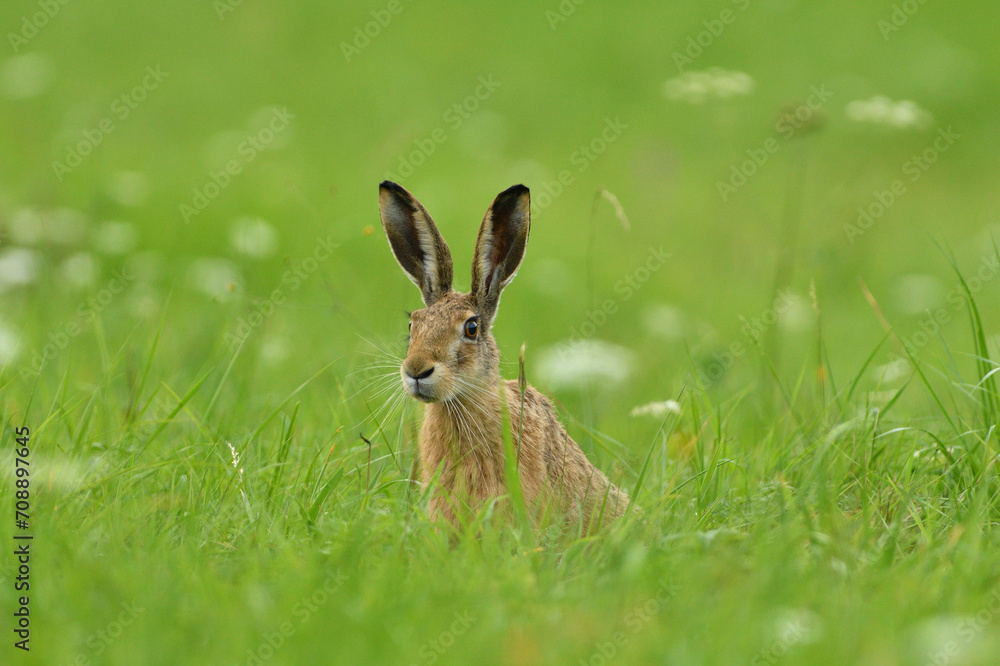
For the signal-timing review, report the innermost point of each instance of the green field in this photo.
(783, 215)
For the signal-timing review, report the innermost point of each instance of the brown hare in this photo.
(453, 365)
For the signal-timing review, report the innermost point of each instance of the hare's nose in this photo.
(421, 375)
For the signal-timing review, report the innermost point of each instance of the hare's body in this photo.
(462, 442)
(452, 364)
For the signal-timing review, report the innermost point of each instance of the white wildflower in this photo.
(797, 314)
(697, 87)
(273, 350)
(236, 457)
(239, 469)
(664, 321)
(215, 277)
(880, 110)
(657, 409)
(575, 364)
(253, 237)
(18, 267)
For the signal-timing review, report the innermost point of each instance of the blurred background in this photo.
(221, 160)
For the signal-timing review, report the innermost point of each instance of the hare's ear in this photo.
(500, 247)
(415, 241)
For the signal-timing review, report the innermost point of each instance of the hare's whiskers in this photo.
(385, 353)
(373, 366)
(380, 381)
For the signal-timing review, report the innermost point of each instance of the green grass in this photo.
(806, 506)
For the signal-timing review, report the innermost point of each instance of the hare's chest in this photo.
(459, 460)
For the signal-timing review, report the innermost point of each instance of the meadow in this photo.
(760, 287)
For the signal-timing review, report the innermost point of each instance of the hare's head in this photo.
(452, 351)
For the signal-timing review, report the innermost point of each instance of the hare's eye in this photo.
(471, 328)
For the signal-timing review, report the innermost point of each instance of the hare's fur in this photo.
(458, 376)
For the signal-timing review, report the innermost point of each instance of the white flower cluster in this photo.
(697, 87)
(657, 409)
(881, 110)
(577, 364)
(253, 237)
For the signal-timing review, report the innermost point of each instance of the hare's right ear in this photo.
(500, 247)
(415, 241)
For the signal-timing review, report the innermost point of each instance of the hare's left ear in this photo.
(416, 242)
(500, 247)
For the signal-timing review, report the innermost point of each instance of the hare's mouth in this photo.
(420, 394)
(419, 390)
